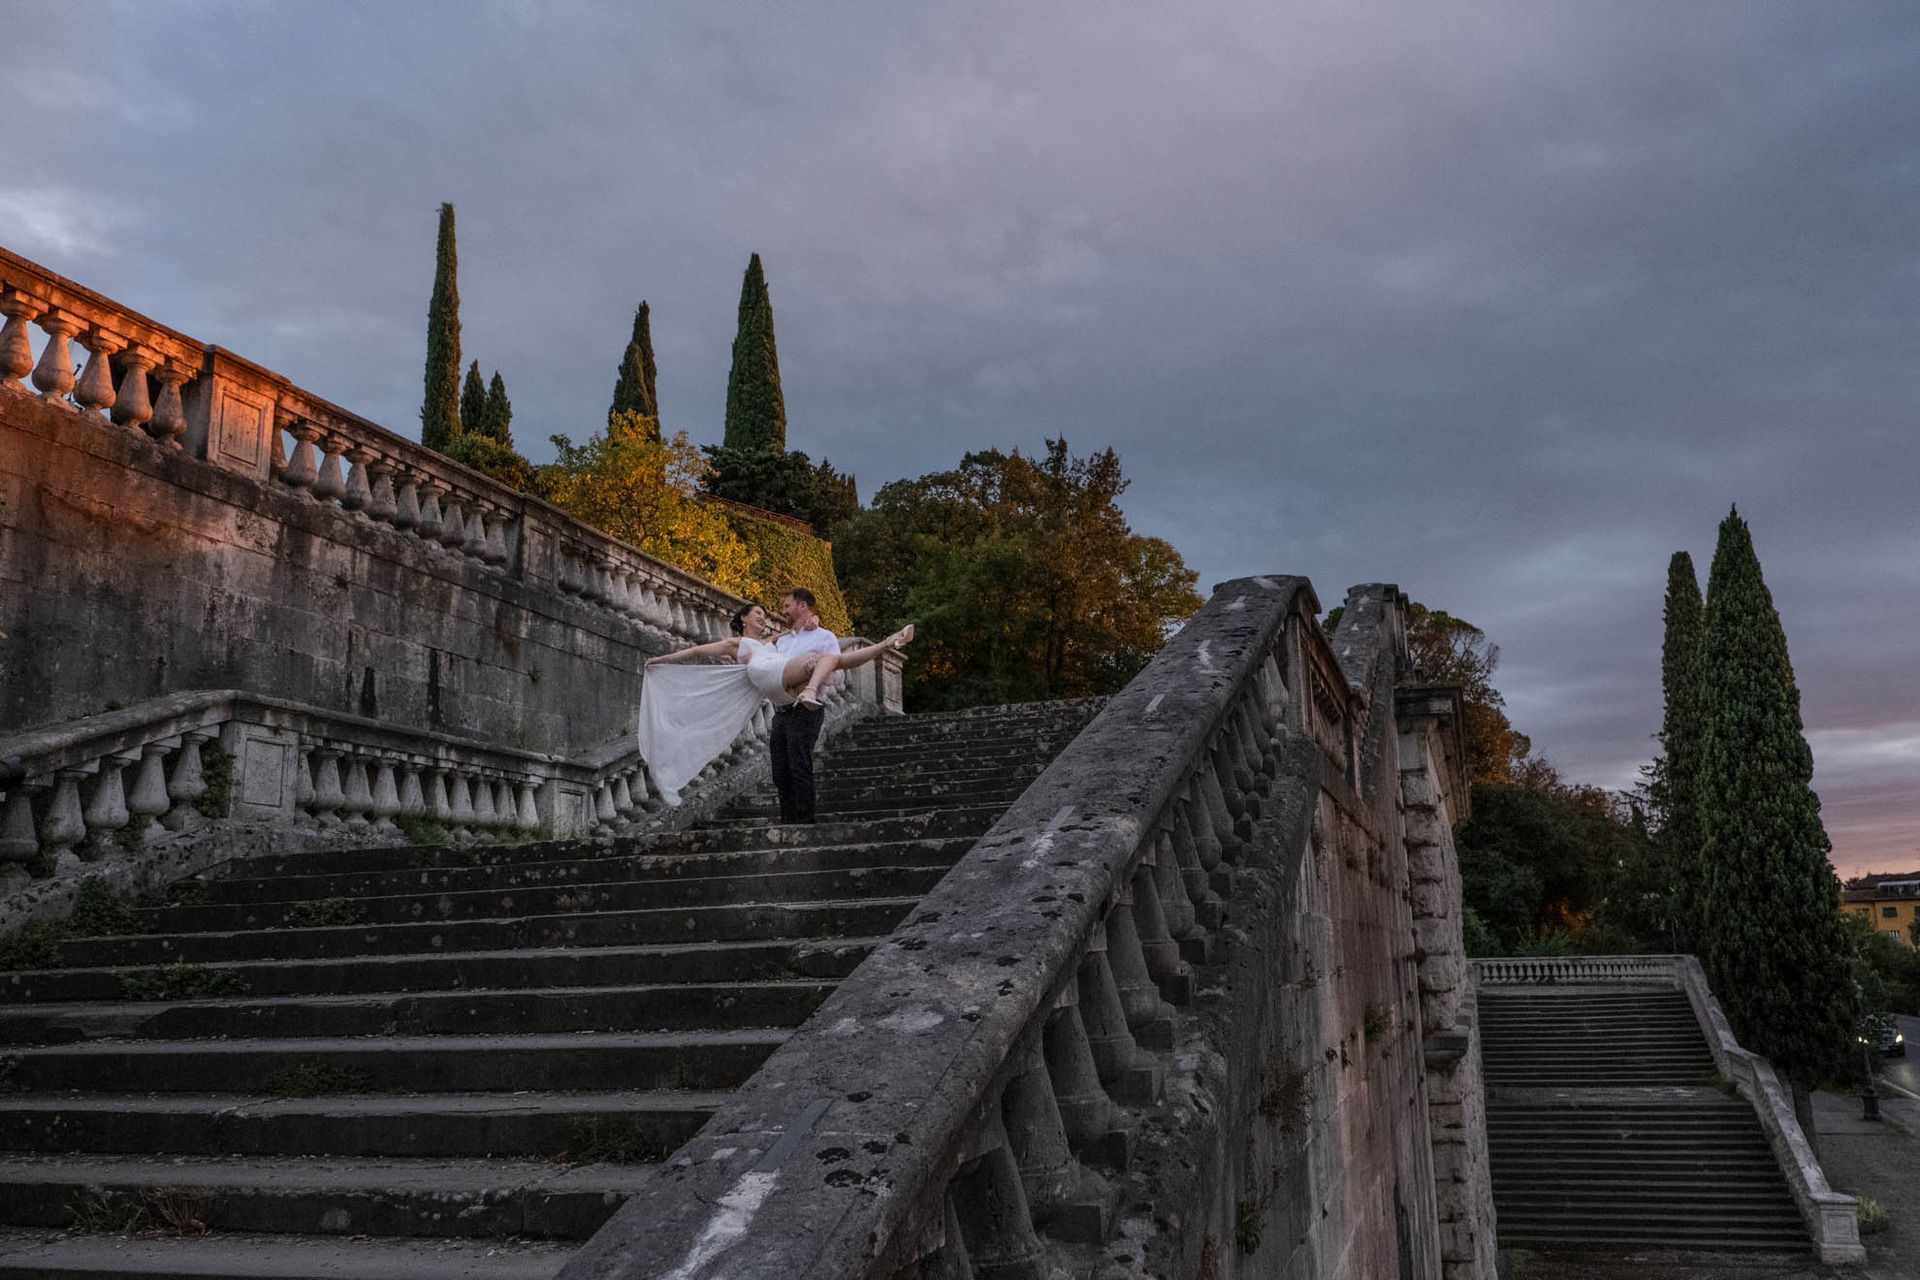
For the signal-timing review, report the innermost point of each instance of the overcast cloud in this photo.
(1504, 302)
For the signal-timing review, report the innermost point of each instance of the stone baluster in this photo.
(946, 1261)
(331, 486)
(1199, 824)
(504, 804)
(460, 805)
(132, 406)
(529, 806)
(485, 812)
(381, 505)
(358, 493)
(302, 471)
(1157, 943)
(169, 421)
(1086, 1112)
(1213, 803)
(276, 450)
(439, 805)
(19, 842)
(496, 552)
(106, 810)
(1252, 750)
(476, 543)
(603, 810)
(1147, 1015)
(16, 344)
(622, 797)
(1129, 1074)
(413, 797)
(428, 525)
(1064, 1197)
(990, 1203)
(64, 824)
(328, 796)
(406, 499)
(358, 793)
(148, 801)
(303, 791)
(54, 374)
(453, 524)
(1208, 909)
(386, 796)
(94, 392)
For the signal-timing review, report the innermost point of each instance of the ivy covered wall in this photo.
(786, 554)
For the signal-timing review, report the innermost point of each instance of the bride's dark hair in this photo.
(740, 619)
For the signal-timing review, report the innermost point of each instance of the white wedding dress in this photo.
(690, 714)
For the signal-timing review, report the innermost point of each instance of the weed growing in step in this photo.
(93, 1214)
(216, 770)
(181, 981)
(98, 910)
(418, 830)
(183, 1210)
(323, 913)
(1373, 1024)
(1286, 1096)
(614, 1140)
(1246, 1227)
(1872, 1216)
(309, 1079)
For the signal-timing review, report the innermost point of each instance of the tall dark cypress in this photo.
(633, 389)
(1774, 947)
(440, 409)
(756, 411)
(499, 411)
(1677, 782)
(473, 404)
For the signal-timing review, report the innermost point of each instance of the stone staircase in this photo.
(1607, 1132)
(445, 1061)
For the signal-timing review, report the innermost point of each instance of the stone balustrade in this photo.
(145, 379)
(114, 783)
(1560, 970)
(1029, 1004)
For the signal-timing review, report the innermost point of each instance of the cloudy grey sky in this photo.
(1502, 301)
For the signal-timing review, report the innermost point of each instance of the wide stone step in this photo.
(338, 1196)
(858, 761)
(656, 964)
(589, 896)
(224, 1257)
(722, 923)
(630, 867)
(630, 1060)
(647, 1125)
(547, 1010)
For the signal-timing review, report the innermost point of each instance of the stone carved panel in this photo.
(238, 437)
(264, 770)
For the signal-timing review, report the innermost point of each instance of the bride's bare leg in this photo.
(807, 675)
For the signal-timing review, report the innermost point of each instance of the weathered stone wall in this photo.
(129, 572)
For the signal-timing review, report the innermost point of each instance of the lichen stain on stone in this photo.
(911, 1021)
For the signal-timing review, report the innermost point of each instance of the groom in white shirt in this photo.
(795, 728)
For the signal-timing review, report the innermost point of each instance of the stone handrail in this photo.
(1830, 1216)
(1021, 1007)
(155, 382)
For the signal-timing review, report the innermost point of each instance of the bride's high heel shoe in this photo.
(901, 638)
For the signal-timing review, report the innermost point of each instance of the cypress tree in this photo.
(1774, 946)
(499, 411)
(633, 389)
(440, 409)
(1677, 782)
(473, 404)
(756, 412)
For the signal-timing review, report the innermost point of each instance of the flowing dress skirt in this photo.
(690, 714)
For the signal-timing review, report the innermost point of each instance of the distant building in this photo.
(1891, 900)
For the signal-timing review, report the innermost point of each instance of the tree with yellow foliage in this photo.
(631, 483)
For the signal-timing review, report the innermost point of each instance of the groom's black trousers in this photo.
(795, 730)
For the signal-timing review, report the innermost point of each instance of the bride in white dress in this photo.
(689, 715)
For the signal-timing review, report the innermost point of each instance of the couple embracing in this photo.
(689, 715)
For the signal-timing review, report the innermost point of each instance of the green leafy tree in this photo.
(1773, 942)
(1448, 650)
(498, 424)
(633, 389)
(440, 409)
(756, 411)
(786, 483)
(1023, 574)
(473, 404)
(1673, 782)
